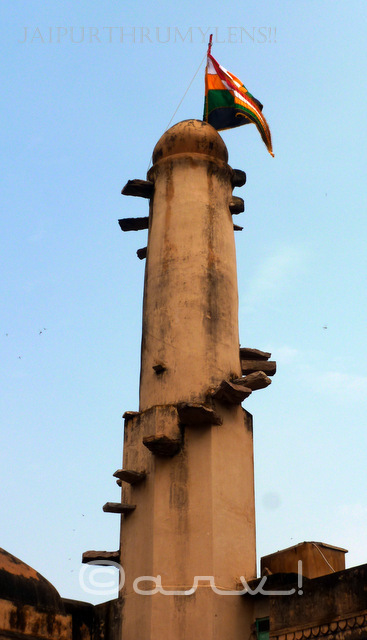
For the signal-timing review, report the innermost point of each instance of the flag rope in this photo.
(181, 101)
(183, 97)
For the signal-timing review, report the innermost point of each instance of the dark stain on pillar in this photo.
(179, 498)
(211, 286)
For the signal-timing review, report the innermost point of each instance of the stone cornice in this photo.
(351, 627)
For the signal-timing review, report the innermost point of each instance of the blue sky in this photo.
(79, 120)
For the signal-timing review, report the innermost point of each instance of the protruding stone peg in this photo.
(129, 476)
(250, 366)
(231, 393)
(239, 178)
(142, 253)
(253, 354)
(236, 205)
(118, 507)
(134, 224)
(139, 188)
(254, 381)
(102, 556)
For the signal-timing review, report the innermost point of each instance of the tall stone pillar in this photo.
(190, 314)
(187, 477)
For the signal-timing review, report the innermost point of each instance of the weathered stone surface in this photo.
(190, 205)
(118, 507)
(236, 205)
(191, 413)
(269, 367)
(254, 381)
(129, 476)
(20, 621)
(95, 556)
(139, 188)
(253, 354)
(142, 253)
(239, 178)
(162, 445)
(134, 224)
(231, 393)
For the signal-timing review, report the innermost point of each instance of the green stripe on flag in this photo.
(218, 98)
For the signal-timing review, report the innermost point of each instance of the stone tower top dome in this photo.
(191, 136)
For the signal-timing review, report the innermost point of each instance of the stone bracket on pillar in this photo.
(159, 429)
(162, 445)
(129, 415)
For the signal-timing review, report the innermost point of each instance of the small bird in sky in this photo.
(324, 327)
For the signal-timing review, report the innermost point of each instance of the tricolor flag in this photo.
(228, 104)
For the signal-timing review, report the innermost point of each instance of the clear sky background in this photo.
(81, 118)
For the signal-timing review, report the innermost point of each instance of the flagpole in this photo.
(206, 115)
(210, 44)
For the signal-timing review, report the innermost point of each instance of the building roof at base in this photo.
(22, 584)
